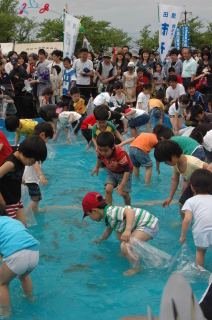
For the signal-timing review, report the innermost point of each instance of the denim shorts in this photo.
(139, 121)
(208, 155)
(139, 158)
(34, 191)
(151, 232)
(155, 112)
(199, 153)
(116, 178)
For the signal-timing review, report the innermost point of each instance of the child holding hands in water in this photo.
(199, 208)
(126, 221)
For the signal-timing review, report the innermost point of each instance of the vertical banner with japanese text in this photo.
(177, 38)
(186, 35)
(71, 30)
(169, 17)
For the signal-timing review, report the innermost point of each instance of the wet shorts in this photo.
(139, 158)
(13, 208)
(155, 112)
(151, 232)
(34, 191)
(22, 261)
(187, 194)
(116, 178)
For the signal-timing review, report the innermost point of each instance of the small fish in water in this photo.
(55, 244)
(92, 285)
(82, 189)
(78, 224)
(45, 226)
(55, 234)
(98, 257)
(64, 191)
(67, 221)
(77, 267)
(71, 236)
(47, 257)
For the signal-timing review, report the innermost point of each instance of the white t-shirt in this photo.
(173, 109)
(79, 66)
(178, 91)
(30, 175)
(64, 118)
(200, 206)
(143, 99)
(129, 79)
(102, 98)
(207, 141)
(8, 67)
(138, 113)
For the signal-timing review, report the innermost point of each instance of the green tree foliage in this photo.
(51, 30)
(147, 40)
(25, 30)
(8, 19)
(100, 34)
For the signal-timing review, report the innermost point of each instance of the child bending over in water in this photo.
(20, 253)
(126, 221)
(199, 208)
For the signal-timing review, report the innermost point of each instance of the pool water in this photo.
(77, 279)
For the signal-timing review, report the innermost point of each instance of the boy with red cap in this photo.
(119, 167)
(126, 221)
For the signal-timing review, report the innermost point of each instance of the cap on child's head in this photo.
(131, 65)
(92, 200)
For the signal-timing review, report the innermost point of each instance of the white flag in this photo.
(169, 17)
(71, 30)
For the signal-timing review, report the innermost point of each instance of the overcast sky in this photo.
(129, 15)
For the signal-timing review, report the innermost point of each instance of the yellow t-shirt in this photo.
(156, 103)
(27, 129)
(193, 164)
(79, 106)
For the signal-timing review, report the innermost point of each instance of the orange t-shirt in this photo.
(145, 141)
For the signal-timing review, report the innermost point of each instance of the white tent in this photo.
(34, 47)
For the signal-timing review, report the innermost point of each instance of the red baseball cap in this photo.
(92, 200)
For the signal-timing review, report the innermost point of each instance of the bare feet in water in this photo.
(132, 271)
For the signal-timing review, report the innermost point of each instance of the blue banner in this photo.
(177, 38)
(186, 36)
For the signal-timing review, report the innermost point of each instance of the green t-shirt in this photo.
(110, 128)
(188, 145)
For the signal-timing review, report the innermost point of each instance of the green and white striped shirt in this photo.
(114, 218)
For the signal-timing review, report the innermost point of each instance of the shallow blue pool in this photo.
(98, 289)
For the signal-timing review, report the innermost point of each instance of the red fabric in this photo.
(89, 120)
(6, 150)
(144, 80)
(118, 160)
(92, 200)
(179, 79)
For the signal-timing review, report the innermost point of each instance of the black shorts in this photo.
(187, 194)
(87, 134)
(34, 191)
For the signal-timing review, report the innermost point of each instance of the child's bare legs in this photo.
(108, 193)
(180, 123)
(200, 256)
(148, 174)
(160, 121)
(136, 172)
(172, 121)
(133, 132)
(6, 275)
(20, 215)
(148, 126)
(139, 235)
(127, 198)
(26, 283)
(66, 133)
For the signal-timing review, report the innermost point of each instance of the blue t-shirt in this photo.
(15, 237)
(68, 77)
